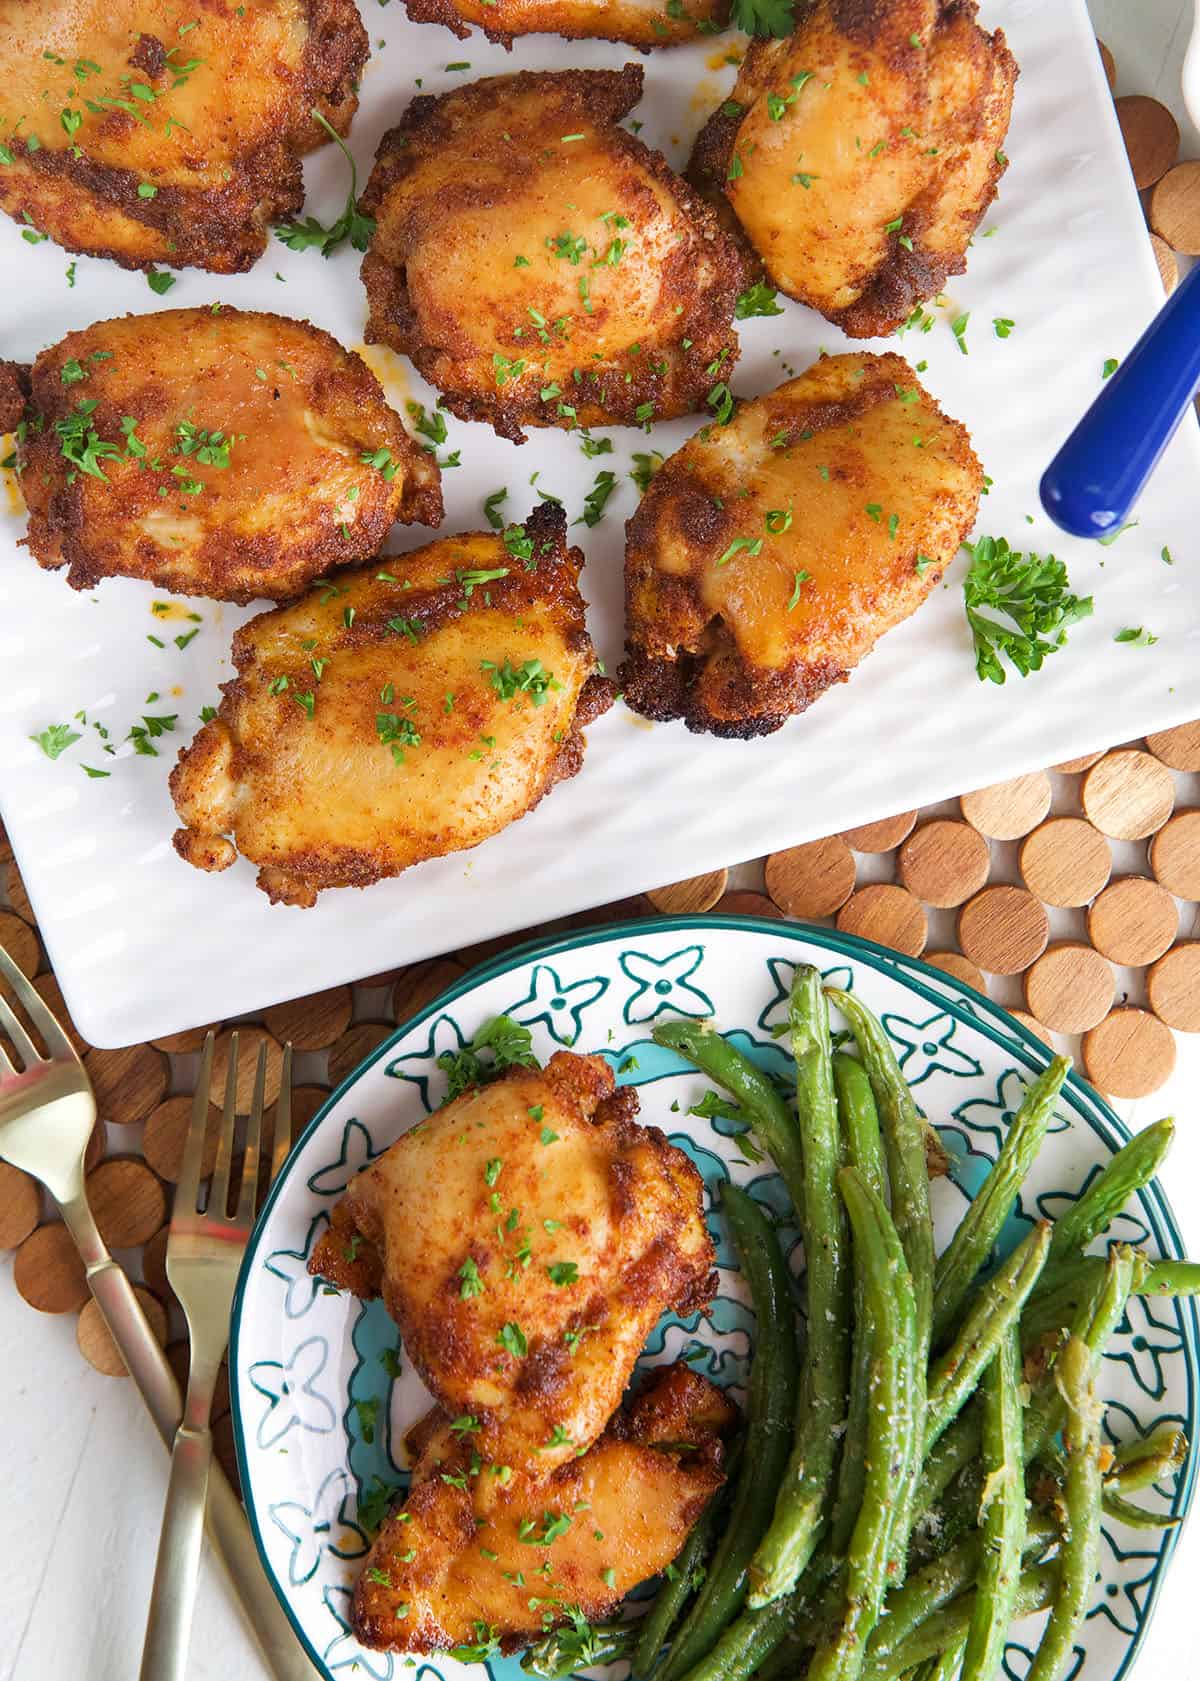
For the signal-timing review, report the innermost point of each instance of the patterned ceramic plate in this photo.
(322, 1398)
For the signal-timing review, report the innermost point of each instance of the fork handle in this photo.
(177, 1568)
(226, 1522)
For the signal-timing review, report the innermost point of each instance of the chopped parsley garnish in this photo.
(597, 496)
(1137, 636)
(959, 328)
(81, 444)
(644, 468)
(375, 1504)
(581, 1645)
(351, 224)
(211, 449)
(800, 578)
(1110, 367)
(1003, 326)
(367, 1412)
(751, 545)
(491, 508)
(505, 368)
(381, 460)
(501, 1043)
(531, 678)
(512, 1339)
(763, 17)
(1032, 592)
(485, 1645)
(759, 299)
(159, 282)
(562, 1273)
(55, 739)
(492, 1171)
(471, 1284)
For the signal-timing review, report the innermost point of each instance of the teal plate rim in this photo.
(963, 1002)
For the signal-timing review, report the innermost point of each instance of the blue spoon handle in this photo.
(1099, 473)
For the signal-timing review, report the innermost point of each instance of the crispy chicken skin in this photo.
(540, 265)
(14, 381)
(858, 163)
(625, 1507)
(408, 709)
(283, 497)
(639, 23)
(216, 120)
(561, 1231)
(768, 556)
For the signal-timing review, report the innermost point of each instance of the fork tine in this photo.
(187, 1191)
(218, 1196)
(248, 1195)
(10, 1024)
(281, 1143)
(31, 1002)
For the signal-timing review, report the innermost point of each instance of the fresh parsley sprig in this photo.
(1033, 594)
(351, 224)
(764, 17)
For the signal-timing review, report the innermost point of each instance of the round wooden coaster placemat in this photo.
(1089, 936)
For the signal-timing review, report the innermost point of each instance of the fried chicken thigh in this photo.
(216, 452)
(540, 265)
(768, 556)
(154, 131)
(465, 1564)
(860, 153)
(640, 23)
(399, 712)
(561, 1231)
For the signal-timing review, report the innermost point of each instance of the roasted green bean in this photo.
(886, 1290)
(1081, 1543)
(768, 1431)
(1147, 1460)
(799, 1513)
(980, 1227)
(1126, 1173)
(942, 1631)
(1002, 1522)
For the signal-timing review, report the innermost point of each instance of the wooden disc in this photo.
(1070, 988)
(1175, 854)
(1133, 921)
(191, 1039)
(21, 943)
(1065, 861)
(49, 991)
(154, 1264)
(421, 984)
(128, 1201)
(698, 893)
(353, 1046)
(312, 1023)
(20, 1206)
(1130, 1054)
(95, 1339)
(944, 862)
(129, 1082)
(1008, 810)
(954, 963)
(1003, 929)
(1109, 63)
(811, 880)
(1175, 209)
(1179, 748)
(1072, 767)
(889, 915)
(1128, 794)
(249, 1040)
(164, 1137)
(18, 898)
(1168, 266)
(48, 1272)
(882, 836)
(1032, 1025)
(742, 902)
(1151, 137)
(1173, 988)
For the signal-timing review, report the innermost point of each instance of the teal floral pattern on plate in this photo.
(322, 1391)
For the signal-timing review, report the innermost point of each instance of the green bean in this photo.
(672, 1596)
(979, 1229)
(1126, 1173)
(768, 1431)
(1081, 1543)
(1171, 1278)
(795, 1527)
(1095, 1322)
(764, 1108)
(1147, 1460)
(996, 1308)
(944, 1629)
(945, 1667)
(1002, 1523)
(864, 1150)
(746, 1643)
(1137, 1517)
(890, 1311)
(904, 1143)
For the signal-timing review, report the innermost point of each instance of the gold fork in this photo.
(47, 1112)
(204, 1256)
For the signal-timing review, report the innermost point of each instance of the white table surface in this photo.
(84, 1472)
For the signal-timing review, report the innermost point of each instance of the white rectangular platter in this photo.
(143, 945)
